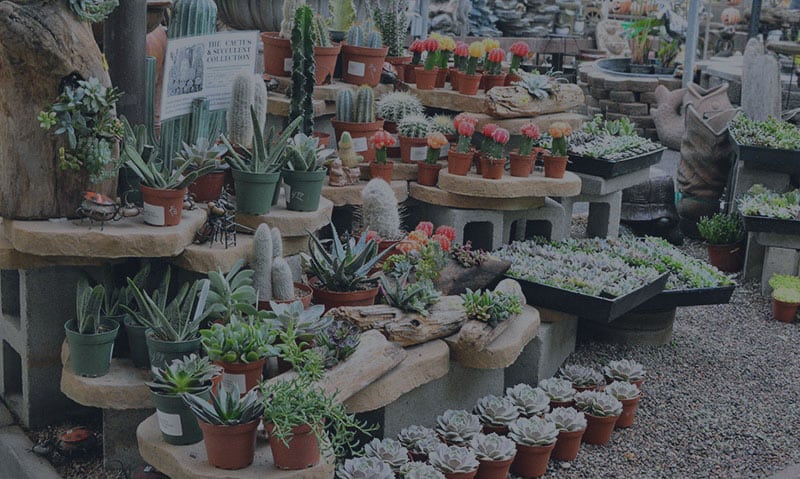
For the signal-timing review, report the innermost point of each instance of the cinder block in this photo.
(622, 96)
(609, 106)
(542, 357)
(634, 109)
(648, 97)
(778, 261)
(651, 133)
(552, 213)
(670, 83)
(592, 111)
(642, 85)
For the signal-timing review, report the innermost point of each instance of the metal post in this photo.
(692, 34)
(124, 39)
(755, 18)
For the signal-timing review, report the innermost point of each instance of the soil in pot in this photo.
(230, 447)
(137, 344)
(492, 168)
(567, 445)
(303, 189)
(300, 451)
(726, 257)
(413, 149)
(555, 166)
(302, 293)
(521, 165)
(208, 187)
(494, 469)
(382, 170)
(468, 84)
(361, 133)
(459, 163)
(428, 175)
(426, 79)
(162, 207)
(784, 312)
(277, 54)
(325, 63)
(531, 461)
(163, 352)
(598, 429)
(629, 408)
(254, 191)
(176, 421)
(334, 299)
(245, 376)
(90, 354)
(491, 81)
(362, 65)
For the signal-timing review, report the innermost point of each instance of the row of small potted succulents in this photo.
(771, 133)
(763, 202)
(517, 433)
(612, 140)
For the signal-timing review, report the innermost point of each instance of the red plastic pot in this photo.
(426, 79)
(361, 133)
(303, 294)
(629, 407)
(461, 475)
(411, 73)
(427, 175)
(208, 187)
(784, 312)
(441, 77)
(567, 445)
(492, 168)
(245, 375)
(300, 452)
(452, 72)
(382, 170)
(162, 207)
(362, 65)
(499, 430)
(555, 404)
(491, 81)
(494, 469)
(230, 447)
(598, 429)
(726, 257)
(531, 461)
(521, 165)
(399, 64)
(555, 166)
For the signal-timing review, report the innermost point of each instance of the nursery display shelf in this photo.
(351, 194)
(436, 196)
(279, 103)
(331, 91)
(771, 159)
(613, 168)
(509, 186)
(291, 223)
(671, 299)
(765, 224)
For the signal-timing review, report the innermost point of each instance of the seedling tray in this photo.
(589, 307)
(771, 159)
(764, 224)
(613, 168)
(671, 299)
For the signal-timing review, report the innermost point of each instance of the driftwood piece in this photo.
(406, 329)
(455, 279)
(475, 335)
(514, 101)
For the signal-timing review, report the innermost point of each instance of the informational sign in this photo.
(205, 66)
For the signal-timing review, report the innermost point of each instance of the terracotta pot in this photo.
(277, 54)
(426, 79)
(726, 257)
(413, 150)
(301, 452)
(598, 429)
(302, 293)
(584, 388)
(784, 312)
(638, 383)
(399, 64)
(491, 81)
(230, 447)
(492, 168)
(441, 77)
(362, 65)
(499, 430)
(531, 461)
(325, 63)
(555, 404)
(555, 166)
(494, 469)
(334, 299)
(411, 73)
(521, 165)
(428, 175)
(567, 445)
(461, 475)
(476, 160)
(384, 171)
(357, 132)
(629, 407)
(390, 126)
(245, 375)
(208, 187)
(511, 78)
(452, 73)
(418, 456)
(162, 207)
(324, 138)
(468, 84)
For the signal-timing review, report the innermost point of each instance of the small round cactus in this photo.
(567, 419)
(457, 426)
(496, 411)
(557, 389)
(414, 126)
(492, 447)
(397, 105)
(533, 431)
(530, 401)
(443, 124)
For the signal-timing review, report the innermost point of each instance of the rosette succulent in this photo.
(625, 370)
(622, 390)
(557, 389)
(567, 419)
(533, 431)
(453, 459)
(492, 447)
(529, 401)
(420, 470)
(364, 468)
(413, 435)
(390, 451)
(496, 411)
(581, 376)
(457, 426)
(598, 404)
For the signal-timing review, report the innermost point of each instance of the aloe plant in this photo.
(227, 408)
(267, 155)
(88, 306)
(158, 174)
(305, 324)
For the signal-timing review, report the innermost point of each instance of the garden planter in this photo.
(162, 207)
(499, 430)
(362, 65)
(230, 447)
(325, 63)
(629, 407)
(137, 344)
(163, 352)
(784, 312)
(176, 421)
(459, 163)
(613, 168)
(427, 175)
(413, 149)
(277, 194)
(277, 54)
(245, 376)
(531, 461)
(208, 187)
(411, 73)
(521, 165)
(441, 77)
(567, 445)
(121, 348)
(303, 189)
(492, 168)
(382, 170)
(494, 469)
(461, 475)
(334, 299)
(468, 84)
(555, 166)
(399, 64)
(426, 79)
(453, 73)
(302, 293)
(726, 257)
(361, 133)
(598, 429)
(300, 451)
(255, 191)
(90, 354)
(491, 81)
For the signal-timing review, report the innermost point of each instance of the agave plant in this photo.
(453, 459)
(529, 401)
(596, 403)
(533, 431)
(412, 435)
(581, 376)
(420, 470)
(364, 468)
(567, 419)
(390, 451)
(557, 389)
(492, 447)
(622, 390)
(305, 324)
(192, 374)
(538, 85)
(625, 370)
(457, 426)
(227, 408)
(200, 154)
(496, 411)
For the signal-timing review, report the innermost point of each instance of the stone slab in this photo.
(423, 364)
(331, 91)
(542, 357)
(439, 197)
(278, 105)
(291, 223)
(17, 459)
(400, 172)
(504, 350)
(351, 194)
(127, 238)
(202, 258)
(191, 462)
(449, 99)
(513, 125)
(509, 186)
(13, 259)
(595, 185)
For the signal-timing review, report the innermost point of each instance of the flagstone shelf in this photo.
(400, 171)
(12, 259)
(202, 258)
(278, 105)
(351, 194)
(437, 196)
(508, 186)
(294, 225)
(328, 93)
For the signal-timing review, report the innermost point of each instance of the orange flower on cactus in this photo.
(444, 242)
(501, 136)
(407, 246)
(382, 139)
(448, 231)
(426, 227)
(530, 131)
(559, 129)
(488, 129)
(462, 50)
(496, 55)
(436, 140)
(417, 46)
(476, 50)
(520, 49)
(418, 236)
(431, 44)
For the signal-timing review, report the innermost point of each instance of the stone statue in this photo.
(341, 175)
(611, 38)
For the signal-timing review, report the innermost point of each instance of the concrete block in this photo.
(483, 227)
(604, 213)
(747, 177)
(754, 258)
(600, 93)
(552, 214)
(777, 261)
(596, 185)
(119, 444)
(634, 109)
(651, 133)
(542, 357)
(622, 96)
(592, 111)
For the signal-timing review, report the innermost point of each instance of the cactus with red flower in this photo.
(380, 141)
(494, 61)
(494, 139)
(460, 55)
(530, 135)
(431, 46)
(519, 51)
(416, 49)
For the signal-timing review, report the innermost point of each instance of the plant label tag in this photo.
(230, 380)
(153, 215)
(443, 151)
(356, 69)
(360, 144)
(287, 64)
(418, 153)
(170, 424)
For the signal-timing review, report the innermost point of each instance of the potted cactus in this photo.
(724, 236)
(571, 425)
(363, 56)
(428, 170)
(457, 427)
(535, 438)
(582, 378)
(443, 54)
(493, 75)
(460, 56)
(388, 450)
(341, 15)
(366, 467)
(395, 106)
(444, 124)
(420, 470)
(519, 53)
(381, 168)
(393, 22)
(356, 114)
(249, 91)
(626, 370)
(304, 173)
(90, 335)
(229, 424)
(529, 401)
(272, 276)
(326, 52)
(559, 391)
(417, 439)
(523, 158)
(278, 45)
(555, 164)
(417, 48)
(455, 462)
(602, 411)
(412, 131)
(493, 159)
(459, 160)
(203, 153)
(495, 413)
(469, 80)
(426, 74)
(629, 395)
(381, 213)
(495, 455)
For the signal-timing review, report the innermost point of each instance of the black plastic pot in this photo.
(667, 300)
(770, 159)
(137, 344)
(612, 168)
(763, 224)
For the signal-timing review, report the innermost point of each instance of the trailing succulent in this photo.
(228, 407)
(625, 370)
(533, 431)
(760, 201)
(529, 401)
(457, 426)
(770, 133)
(491, 307)
(364, 468)
(496, 411)
(567, 419)
(390, 451)
(492, 447)
(453, 459)
(557, 389)
(596, 403)
(581, 376)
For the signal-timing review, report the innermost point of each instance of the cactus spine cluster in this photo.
(357, 37)
(380, 211)
(272, 278)
(365, 105)
(192, 17)
(345, 104)
(393, 24)
(248, 90)
(303, 69)
(414, 126)
(287, 24)
(322, 36)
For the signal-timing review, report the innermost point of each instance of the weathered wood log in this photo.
(406, 329)
(455, 279)
(41, 42)
(515, 101)
(475, 335)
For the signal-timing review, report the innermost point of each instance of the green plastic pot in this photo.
(277, 195)
(137, 344)
(162, 353)
(121, 349)
(254, 191)
(303, 189)
(176, 421)
(90, 354)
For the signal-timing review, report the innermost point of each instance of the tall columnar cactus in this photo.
(393, 23)
(262, 262)
(356, 36)
(374, 40)
(379, 210)
(192, 17)
(303, 69)
(289, 9)
(277, 243)
(322, 35)
(342, 14)
(282, 284)
(248, 90)
(365, 105)
(345, 106)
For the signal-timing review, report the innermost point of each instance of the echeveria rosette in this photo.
(476, 52)
(581, 376)
(625, 370)
(529, 401)
(519, 52)
(457, 426)
(460, 55)
(416, 49)
(390, 451)
(411, 435)
(493, 447)
(465, 126)
(559, 131)
(622, 390)
(420, 470)
(557, 389)
(453, 459)
(533, 432)
(567, 419)
(494, 61)
(436, 141)
(364, 468)
(432, 47)
(380, 141)
(530, 136)
(496, 411)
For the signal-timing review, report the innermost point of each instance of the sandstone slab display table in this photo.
(346, 199)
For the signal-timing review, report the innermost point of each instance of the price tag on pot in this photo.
(356, 68)
(418, 153)
(153, 214)
(360, 144)
(287, 64)
(170, 424)
(230, 380)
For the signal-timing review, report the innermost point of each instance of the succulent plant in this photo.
(420, 470)
(453, 459)
(625, 370)
(414, 126)
(496, 411)
(492, 447)
(200, 154)
(191, 374)
(533, 431)
(457, 426)
(622, 390)
(338, 341)
(557, 389)
(392, 20)
(380, 211)
(491, 307)
(306, 324)
(413, 434)
(760, 201)
(567, 419)
(538, 86)
(239, 341)
(611, 148)
(414, 297)
(529, 401)
(468, 257)
(443, 124)
(231, 294)
(770, 133)
(581, 376)
(228, 407)
(397, 105)
(598, 404)
(364, 468)
(390, 451)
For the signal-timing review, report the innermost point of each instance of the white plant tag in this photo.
(230, 380)
(418, 153)
(287, 64)
(356, 68)
(170, 424)
(153, 215)
(444, 150)
(360, 144)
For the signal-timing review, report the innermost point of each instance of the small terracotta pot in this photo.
(555, 404)
(784, 312)
(208, 187)
(726, 257)
(301, 452)
(243, 374)
(413, 150)
(411, 73)
(511, 78)
(459, 163)
(325, 63)
(492, 168)
(531, 461)
(494, 469)
(598, 429)
(499, 430)
(426, 79)
(399, 64)
(277, 54)
(302, 293)
(521, 165)
(567, 445)
(384, 171)
(555, 166)
(629, 407)
(230, 447)
(452, 73)
(491, 81)
(461, 475)
(362, 65)
(468, 84)
(441, 77)
(358, 130)
(427, 175)
(334, 299)
(162, 207)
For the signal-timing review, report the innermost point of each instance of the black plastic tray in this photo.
(772, 159)
(589, 307)
(765, 224)
(671, 299)
(613, 168)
